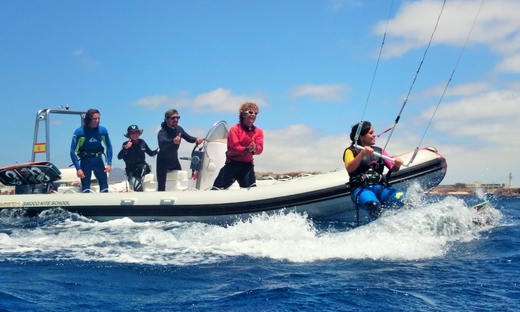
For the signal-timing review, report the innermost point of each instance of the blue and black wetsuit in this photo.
(86, 152)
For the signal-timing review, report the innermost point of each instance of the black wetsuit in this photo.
(135, 160)
(168, 159)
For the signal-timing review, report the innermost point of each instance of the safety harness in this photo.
(369, 172)
(84, 153)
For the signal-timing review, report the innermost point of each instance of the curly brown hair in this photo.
(247, 106)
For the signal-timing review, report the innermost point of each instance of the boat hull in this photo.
(319, 196)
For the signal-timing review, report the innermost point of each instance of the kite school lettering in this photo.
(52, 203)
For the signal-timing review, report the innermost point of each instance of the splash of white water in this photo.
(415, 232)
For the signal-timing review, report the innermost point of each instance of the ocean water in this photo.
(435, 255)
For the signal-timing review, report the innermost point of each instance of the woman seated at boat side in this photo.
(365, 170)
(133, 153)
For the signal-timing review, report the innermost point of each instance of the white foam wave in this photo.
(419, 233)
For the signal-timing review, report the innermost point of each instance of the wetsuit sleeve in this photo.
(348, 157)
(186, 136)
(109, 149)
(123, 152)
(73, 150)
(148, 150)
(388, 163)
(259, 141)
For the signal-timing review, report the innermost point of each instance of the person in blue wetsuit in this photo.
(169, 139)
(366, 173)
(86, 152)
(133, 153)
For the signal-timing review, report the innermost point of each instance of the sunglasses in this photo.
(251, 113)
(174, 117)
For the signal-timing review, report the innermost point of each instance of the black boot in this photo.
(374, 209)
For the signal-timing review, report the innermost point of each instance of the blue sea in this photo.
(437, 256)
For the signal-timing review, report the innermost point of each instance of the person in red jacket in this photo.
(244, 141)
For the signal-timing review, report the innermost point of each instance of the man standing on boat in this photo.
(365, 169)
(169, 138)
(86, 151)
(244, 140)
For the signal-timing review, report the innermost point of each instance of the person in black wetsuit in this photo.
(133, 153)
(169, 138)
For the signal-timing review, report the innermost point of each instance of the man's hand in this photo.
(80, 174)
(177, 139)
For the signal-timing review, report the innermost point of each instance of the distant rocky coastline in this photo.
(458, 190)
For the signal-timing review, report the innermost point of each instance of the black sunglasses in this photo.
(174, 117)
(251, 113)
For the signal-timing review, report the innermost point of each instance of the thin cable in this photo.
(360, 125)
(452, 73)
(377, 63)
(415, 76)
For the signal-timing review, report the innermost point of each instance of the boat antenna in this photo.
(447, 83)
(358, 132)
(392, 128)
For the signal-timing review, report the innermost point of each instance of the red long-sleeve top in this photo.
(239, 138)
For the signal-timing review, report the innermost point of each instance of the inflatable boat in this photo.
(189, 197)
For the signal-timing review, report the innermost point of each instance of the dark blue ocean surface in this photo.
(438, 256)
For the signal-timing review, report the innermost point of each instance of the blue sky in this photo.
(308, 64)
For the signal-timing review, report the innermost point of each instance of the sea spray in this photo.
(421, 232)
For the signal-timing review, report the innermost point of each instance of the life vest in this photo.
(369, 171)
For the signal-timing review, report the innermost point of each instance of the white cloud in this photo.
(497, 26)
(487, 106)
(321, 93)
(510, 63)
(155, 101)
(465, 89)
(218, 100)
(300, 147)
(86, 61)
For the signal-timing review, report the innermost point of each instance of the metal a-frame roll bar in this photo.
(43, 115)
